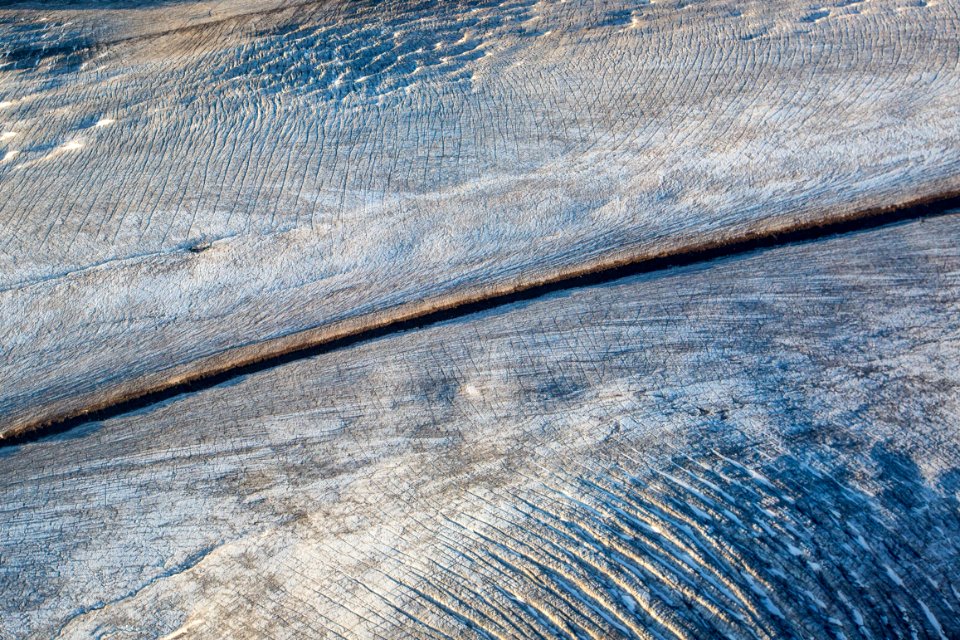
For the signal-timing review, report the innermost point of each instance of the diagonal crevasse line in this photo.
(189, 563)
(604, 271)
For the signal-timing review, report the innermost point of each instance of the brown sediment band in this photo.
(257, 356)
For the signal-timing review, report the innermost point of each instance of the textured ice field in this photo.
(759, 444)
(187, 186)
(761, 447)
